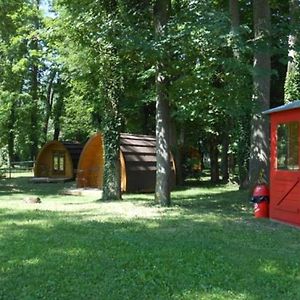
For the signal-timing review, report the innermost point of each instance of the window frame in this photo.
(61, 162)
(292, 145)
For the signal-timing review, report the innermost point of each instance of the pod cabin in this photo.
(57, 160)
(137, 162)
(285, 163)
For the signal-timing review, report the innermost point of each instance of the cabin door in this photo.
(285, 172)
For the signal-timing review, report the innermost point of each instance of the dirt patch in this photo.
(82, 192)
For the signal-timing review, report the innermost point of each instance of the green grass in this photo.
(206, 246)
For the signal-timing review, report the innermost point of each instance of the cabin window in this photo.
(59, 162)
(287, 146)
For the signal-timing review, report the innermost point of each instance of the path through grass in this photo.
(206, 246)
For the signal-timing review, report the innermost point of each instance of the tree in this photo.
(259, 152)
(235, 22)
(95, 44)
(34, 45)
(162, 10)
(292, 81)
(241, 134)
(20, 57)
(111, 87)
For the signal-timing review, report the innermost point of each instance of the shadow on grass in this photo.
(228, 203)
(60, 256)
(211, 249)
(206, 198)
(23, 185)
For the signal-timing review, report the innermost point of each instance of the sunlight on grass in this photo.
(270, 267)
(31, 222)
(31, 262)
(92, 210)
(206, 246)
(217, 295)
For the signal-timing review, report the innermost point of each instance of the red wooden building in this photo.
(285, 163)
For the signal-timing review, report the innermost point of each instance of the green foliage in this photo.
(16, 107)
(292, 83)
(102, 57)
(94, 38)
(22, 54)
(77, 120)
(208, 87)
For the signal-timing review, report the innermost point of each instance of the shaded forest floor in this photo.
(206, 246)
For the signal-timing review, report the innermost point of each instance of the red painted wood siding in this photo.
(284, 184)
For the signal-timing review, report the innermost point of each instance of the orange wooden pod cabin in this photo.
(137, 160)
(57, 160)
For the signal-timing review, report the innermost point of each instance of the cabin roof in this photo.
(140, 161)
(137, 144)
(292, 105)
(74, 149)
(138, 150)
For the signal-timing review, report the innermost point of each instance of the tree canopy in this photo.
(68, 69)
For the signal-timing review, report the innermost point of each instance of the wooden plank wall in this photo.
(139, 153)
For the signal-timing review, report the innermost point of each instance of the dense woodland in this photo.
(194, 73)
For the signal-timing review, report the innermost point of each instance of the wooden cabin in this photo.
(285, 163)
(137, 159)
(57, 160)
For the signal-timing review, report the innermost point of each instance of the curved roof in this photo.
(137, 157)
(74, 149)
(136, 148)
(139, 152)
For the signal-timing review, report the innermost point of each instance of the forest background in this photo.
(195, 73)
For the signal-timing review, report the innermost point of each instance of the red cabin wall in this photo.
(284, 184)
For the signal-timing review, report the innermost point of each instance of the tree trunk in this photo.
(111, 92)
(242, 123)
(176, 146)
(225, 157)
(179, 155)
(292, 85)
(56, 120)
(34, 133)
(49, 105)
(163, 170)
(234, 15)
(11, 133)
(148, 111)
(259, 152)
(243, 149)
(112, 172)
(58, 109)
(34, 112)
(235, 22)
(214, 164)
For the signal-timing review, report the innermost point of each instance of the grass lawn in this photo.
(206, 246)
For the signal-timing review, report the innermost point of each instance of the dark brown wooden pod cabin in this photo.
(58, 160)
(137, 158)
